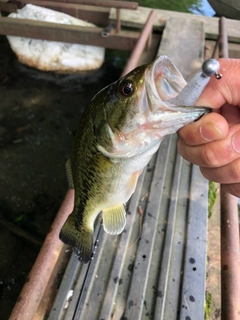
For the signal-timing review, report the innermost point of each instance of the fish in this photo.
(117, 135)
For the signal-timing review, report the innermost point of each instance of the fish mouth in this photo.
(166, 78)
(167, 82)
(163, 82)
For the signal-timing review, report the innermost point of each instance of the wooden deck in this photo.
(137, 18)
(162, 276)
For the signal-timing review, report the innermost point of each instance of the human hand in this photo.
(213, 142)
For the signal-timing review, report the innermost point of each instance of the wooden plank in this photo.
(125, 280)
(185, 48)
(194, 271)
(138, 17)
(213, 287)
(124, 40)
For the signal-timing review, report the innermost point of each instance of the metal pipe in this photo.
(33, 290)
(215, 49)
(230, 250)
(149, 41)
(66, 5)
(230, 261)
(101, 3)
(223, 39)
(118, 16)
(137, 51)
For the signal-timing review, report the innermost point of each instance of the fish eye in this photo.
(127, 89)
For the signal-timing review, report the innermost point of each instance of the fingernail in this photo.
(236, 141)
(210, 132)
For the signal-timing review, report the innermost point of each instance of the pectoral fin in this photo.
(114, 219)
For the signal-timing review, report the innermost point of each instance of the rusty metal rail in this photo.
(144, 39)
(77, 5)
(67, 33)
(33, 290)
(71, 33)
(102, 3)
(230, 250)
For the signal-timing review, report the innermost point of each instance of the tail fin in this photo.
(80, 240)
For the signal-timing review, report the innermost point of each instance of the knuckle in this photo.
(233, 189)
(189, 134)
(210, 156)
(234, 173)
(205, 173)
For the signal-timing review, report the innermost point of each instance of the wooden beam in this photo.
(137, 18)
(124, 40)
(185, 48)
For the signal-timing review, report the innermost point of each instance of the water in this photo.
(39, 113)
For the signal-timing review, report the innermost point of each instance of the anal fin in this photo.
(114, 219)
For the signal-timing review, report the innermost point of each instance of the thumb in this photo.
(226, 89)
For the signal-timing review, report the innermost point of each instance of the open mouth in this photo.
(166, 84)
(166, 78)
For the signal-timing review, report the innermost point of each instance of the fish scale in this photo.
(118, 133)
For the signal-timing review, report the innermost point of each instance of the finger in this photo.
(226, 174)
(210, 127)
(231, 114)
(213, 154)
(233, 189)
(218, 92)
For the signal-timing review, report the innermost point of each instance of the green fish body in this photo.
(117, 135)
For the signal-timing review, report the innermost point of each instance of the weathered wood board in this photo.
(213, 285)
(185, 49)
(138, 17)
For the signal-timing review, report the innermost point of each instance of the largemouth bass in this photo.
(117, 135)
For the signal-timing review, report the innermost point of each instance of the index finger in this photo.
(208, 128)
